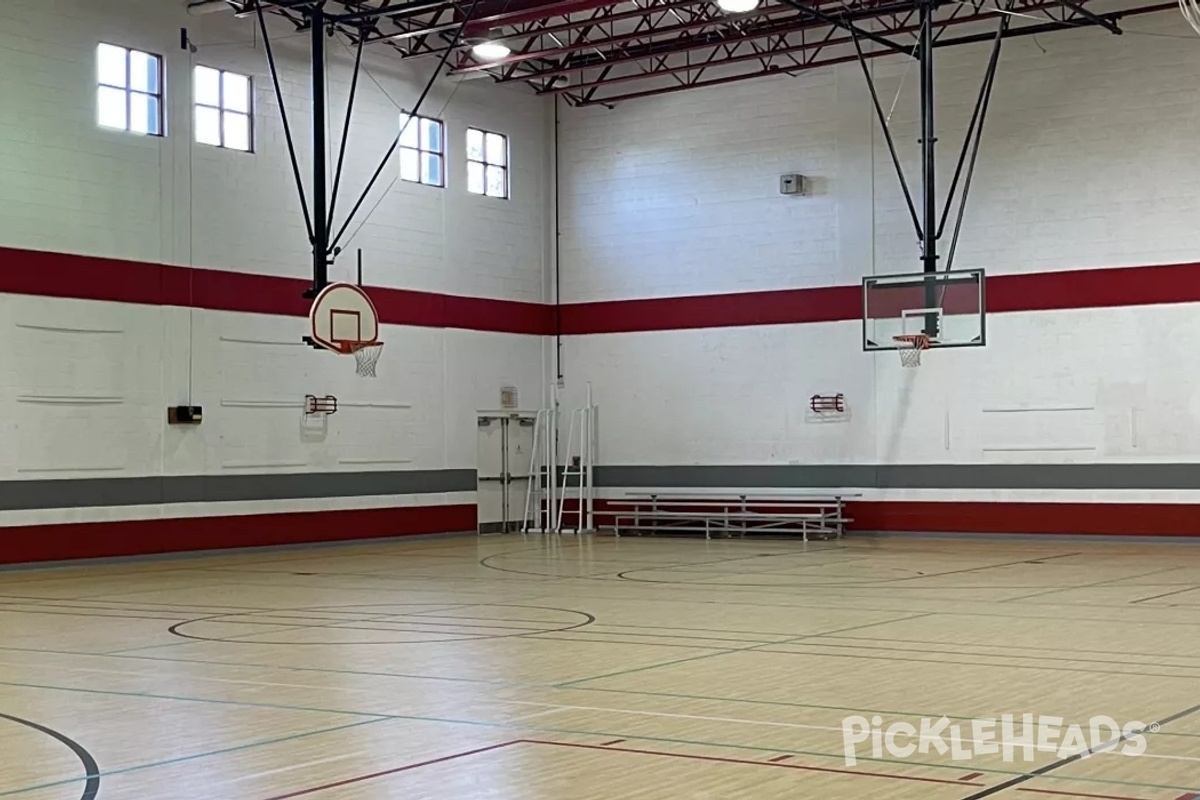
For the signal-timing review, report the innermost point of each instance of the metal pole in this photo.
(337, 173)
(320, 165)
(552, 461)
(929, 255)
(589, 463)
(287, 128)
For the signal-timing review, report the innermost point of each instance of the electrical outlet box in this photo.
(791, 183)
(185, 415)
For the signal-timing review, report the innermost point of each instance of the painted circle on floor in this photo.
(381, 623)
(91, 771)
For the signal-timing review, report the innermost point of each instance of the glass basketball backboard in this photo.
(946, 306)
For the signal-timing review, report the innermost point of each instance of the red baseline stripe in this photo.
(88, 278)
(718, 759)
(405, 768)
(24, 544)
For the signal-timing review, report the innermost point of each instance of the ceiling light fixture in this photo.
(494, 51)
(737, 6)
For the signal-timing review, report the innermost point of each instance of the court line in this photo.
(1190, 588)
(886, 582)
(376, 716)
(1090, 585)
(509, 725)
(1016, 646)
(452, 679)
(798, 725)
(748, 762)
(290, 767)
(91, 769)
(736, 650)
(534, 594)
(1088, 670)
(405, 768)
(1062, 762)
(183, 759)
(1062, 793)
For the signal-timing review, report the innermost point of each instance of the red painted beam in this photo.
(496, 13)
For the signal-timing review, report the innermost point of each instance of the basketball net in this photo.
(1191, 12)
(910, 346)
(367, 356)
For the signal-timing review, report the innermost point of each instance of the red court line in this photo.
(405, 768)
(777, 759)
(1062, 793)
(747, 762)
(971, 776)
(1188, 796)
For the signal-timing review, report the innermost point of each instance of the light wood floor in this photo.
(564, 669)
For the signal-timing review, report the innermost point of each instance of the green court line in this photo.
(516, 725)
(621, 734)
(729, 651)
(181, 759)
(883, 712)
(518, 684)
(149, 696)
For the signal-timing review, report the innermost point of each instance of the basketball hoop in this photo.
(344, 320)
(367, 355)
(910, 346)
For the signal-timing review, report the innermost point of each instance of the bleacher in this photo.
(731, 514)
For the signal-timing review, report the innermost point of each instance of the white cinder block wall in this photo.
(1086, 163)
(87, 383)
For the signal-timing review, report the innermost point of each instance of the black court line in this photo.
(1164, 594)
(91, 769)
(1087, 670)
(879, 583)
(1062, 762)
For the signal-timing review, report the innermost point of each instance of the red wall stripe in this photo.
(1046, 291)
(33, 543)
(26, 544)
(91, 278)
(1116, 519)
(88, 278)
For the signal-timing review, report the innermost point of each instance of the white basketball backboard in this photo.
(343, 318)
(947, 306)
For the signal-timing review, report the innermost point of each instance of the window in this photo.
(129, 90)
(422, 150)
(224, 117)
(487, 163)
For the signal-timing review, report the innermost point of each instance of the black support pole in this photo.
(320, 155)
(929, 256)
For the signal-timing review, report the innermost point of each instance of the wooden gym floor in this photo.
(563, 669)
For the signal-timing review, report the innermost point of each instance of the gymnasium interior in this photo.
(581, 399)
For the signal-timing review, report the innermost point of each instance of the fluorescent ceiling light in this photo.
(737, 6)
(494, 51)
